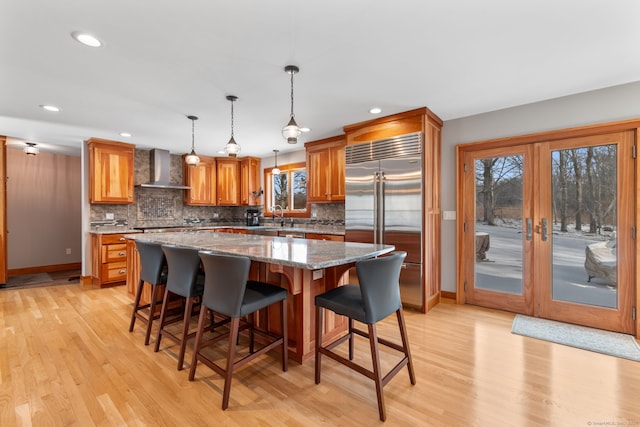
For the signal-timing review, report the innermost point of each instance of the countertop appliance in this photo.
(253, 217)
(384, 203)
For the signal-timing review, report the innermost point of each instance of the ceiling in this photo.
(163, 60)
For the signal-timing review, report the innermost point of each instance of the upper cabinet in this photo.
(228, 181)
(325, 169)
(202, 180)
(250, 181)
(110, 171)
(222, 181)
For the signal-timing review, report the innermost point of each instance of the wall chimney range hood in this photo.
(159, 165)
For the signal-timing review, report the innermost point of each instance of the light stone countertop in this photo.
(304, 228)
(298, 253)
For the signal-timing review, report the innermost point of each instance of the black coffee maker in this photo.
(253, 217)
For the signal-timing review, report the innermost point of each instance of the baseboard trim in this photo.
(44, 269)
(447, 294)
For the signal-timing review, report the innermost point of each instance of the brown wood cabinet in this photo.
(109, 259)
(231, 230)
(228, 181)
(110, 171)
(332, 237)
(202, 180)
(325, 169)
(249, 181)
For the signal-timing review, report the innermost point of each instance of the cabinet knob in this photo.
(122, 239)
(121, 253)
(122, 271)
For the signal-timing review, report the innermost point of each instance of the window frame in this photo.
(268, 193)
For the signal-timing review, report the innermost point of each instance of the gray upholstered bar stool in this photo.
(184, 279)
(377, 297)
(227, 292)
(153, 270)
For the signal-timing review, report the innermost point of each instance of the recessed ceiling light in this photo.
(125, 134)
(305, 130)
(222, 152)
(375, 110)
(86, 39)
(50, 108)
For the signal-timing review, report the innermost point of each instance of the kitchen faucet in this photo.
(281, 214)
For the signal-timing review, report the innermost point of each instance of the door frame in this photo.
(462, 252)
(4, 269)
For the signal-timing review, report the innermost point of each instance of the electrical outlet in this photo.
(314, 215)
(216, 215)
(317, 274)
(68, 251)
(109, 216)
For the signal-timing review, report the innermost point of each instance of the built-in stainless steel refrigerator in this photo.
(384, 203)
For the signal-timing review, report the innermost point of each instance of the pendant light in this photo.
(31, 149)
(192, 158)
(291, 131)
(232, 148)
(276, 170)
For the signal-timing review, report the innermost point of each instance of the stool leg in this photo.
(252, 322)
(405, 345)
(163, 313)
(185, 332)
(285, 336)
(318, 341)
(375, 357)
(231, 355)
(152, 309)
(351, 340)
(136, 304)
(196, 346)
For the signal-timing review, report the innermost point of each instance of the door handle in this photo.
(529, 229)
(545, 233)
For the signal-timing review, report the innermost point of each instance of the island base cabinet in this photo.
(133, 278)
(303, 286)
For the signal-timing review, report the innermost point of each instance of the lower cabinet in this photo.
(333, 237)
(231, 230)
(109, 259)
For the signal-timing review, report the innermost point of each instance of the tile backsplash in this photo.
(161, 206)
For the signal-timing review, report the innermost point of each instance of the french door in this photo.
(548, 228)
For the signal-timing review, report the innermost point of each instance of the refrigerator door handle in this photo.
(381, 207)
(376, 192)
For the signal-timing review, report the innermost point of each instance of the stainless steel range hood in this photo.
(159, 165)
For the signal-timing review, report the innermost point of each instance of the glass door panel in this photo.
(498, 224)
(498, 228)
(583, 225)
(586, 218)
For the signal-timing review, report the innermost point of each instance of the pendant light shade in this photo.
(232, 148)
(192, 158)
(31, 149)
(275, 170)
(291, 131)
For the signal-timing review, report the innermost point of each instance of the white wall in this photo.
(43, 209)
(600, 106)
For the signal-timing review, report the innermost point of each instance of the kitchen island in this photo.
(304, 267)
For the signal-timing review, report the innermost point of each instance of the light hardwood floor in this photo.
(67, 359)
